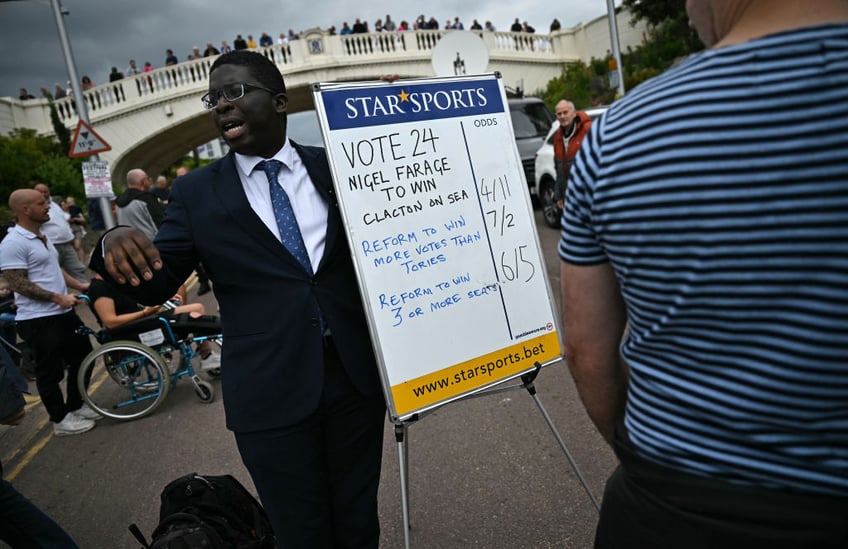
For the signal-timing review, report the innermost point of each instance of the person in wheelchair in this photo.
(7, 313)
(18, 350)
(115, 309)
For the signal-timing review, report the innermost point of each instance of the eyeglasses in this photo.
(231, 92)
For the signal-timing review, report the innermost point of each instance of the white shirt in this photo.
(22, 249)
(308, 205)
(57, 229)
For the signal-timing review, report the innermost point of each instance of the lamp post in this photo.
(82, 108)
(616, 48)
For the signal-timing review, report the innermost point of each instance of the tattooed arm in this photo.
(18, 281)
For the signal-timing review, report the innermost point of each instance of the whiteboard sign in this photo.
(439, 221)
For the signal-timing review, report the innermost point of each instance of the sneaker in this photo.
(86, 412)
(211, 362)
(72, 425)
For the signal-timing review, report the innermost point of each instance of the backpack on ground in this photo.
(209, 512)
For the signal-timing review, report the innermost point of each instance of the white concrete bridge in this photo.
(153, 119)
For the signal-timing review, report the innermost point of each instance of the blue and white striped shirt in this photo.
(718, 192)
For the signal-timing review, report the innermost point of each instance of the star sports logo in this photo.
(411, 103)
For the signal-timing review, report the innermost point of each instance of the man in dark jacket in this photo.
(138, 207)
(301, 385)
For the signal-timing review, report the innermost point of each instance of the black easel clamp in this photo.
(528, 378)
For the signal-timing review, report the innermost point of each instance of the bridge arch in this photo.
(152, 119)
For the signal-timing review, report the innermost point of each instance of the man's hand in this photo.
(560, 203)
(67, 301)
(128, 253)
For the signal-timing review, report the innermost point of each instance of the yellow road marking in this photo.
(41, 443)
(33, 451)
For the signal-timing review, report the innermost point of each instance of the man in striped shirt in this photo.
(707, 212)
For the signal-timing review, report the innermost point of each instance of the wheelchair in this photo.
(137, 365)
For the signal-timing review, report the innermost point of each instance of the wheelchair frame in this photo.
(131, 373)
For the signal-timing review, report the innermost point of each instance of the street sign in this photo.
(97, 179)
(86, 142)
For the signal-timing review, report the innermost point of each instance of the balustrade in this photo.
(534, 58)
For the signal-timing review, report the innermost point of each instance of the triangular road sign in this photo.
(86, 142)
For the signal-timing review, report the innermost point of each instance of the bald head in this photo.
(30, 207)
(138, 179)
(22, 198)
(44, 190)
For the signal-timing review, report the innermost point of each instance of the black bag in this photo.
(210, 512)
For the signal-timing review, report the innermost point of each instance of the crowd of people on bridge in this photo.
(360, 26)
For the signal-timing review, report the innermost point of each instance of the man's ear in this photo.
(281, 102)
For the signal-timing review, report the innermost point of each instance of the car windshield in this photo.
(531, 120)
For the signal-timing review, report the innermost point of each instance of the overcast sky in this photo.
(107, 33)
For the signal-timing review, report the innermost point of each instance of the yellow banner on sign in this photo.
(467, 376)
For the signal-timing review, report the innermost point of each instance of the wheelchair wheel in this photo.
(124, 380)
(203, 391)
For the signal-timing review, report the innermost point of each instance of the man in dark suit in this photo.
(300, 383)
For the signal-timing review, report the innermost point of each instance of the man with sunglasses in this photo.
(301, 386)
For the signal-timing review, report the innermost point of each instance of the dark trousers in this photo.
(55, 345)
(25, 526)
(648, 505)
(318, 479)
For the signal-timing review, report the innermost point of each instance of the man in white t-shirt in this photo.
(45, 315)
(59, 232)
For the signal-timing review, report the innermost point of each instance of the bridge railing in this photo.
(140, 88)
(193, 76)
(315, 50)
(349, 56)
(425, 40)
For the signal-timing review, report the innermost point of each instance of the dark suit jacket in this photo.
(273, 344)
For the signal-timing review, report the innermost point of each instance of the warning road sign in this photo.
(87, 142)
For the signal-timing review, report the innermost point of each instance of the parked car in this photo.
(531, 122)
(542, 187)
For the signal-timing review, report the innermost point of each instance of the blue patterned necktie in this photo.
(290, 234)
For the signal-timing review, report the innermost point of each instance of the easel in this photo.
(401, 428)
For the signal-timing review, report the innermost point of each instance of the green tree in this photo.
(655, 12)
(669, 39)
(669, 17)
(27, 158)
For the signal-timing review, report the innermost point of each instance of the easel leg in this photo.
(527, 380)
(403, 463)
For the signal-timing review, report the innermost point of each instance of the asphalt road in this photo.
(483, 472)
